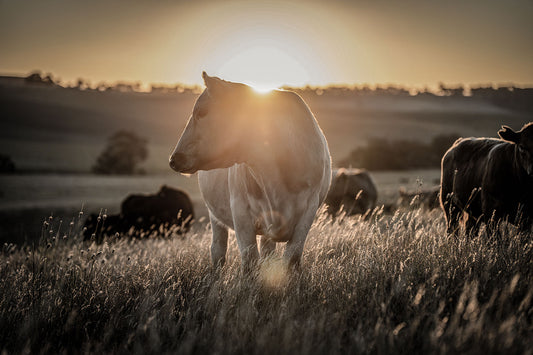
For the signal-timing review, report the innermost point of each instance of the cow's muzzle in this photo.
(179, 162)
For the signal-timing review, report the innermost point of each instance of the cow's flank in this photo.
(264, 166)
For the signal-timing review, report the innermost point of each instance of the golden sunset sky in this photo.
(271, 43)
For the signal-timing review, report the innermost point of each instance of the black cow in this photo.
(353, 189)
(144, 213)
(489, 180)
(169, 206)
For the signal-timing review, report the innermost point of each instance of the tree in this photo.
(124, 151)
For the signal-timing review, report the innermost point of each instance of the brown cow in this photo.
(353, 190)
(489, 180)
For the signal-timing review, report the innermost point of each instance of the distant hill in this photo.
(50, 128)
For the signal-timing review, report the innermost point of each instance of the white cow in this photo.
(264, 167)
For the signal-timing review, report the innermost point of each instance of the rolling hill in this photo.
(50, 128)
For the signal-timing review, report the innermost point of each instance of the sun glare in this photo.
(262, 89)
(264, 68)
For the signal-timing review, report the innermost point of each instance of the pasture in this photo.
(394, 284)
(28, 199)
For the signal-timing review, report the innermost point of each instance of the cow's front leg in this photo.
(295, 246)
(245, 234)
(247, 242)
(219, 244)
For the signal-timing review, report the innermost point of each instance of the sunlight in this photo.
(264, 68)
(273, 272)
(262, 89)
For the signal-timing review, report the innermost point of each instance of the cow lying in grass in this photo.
(264, 167)
(352, 191)
(489, 180)
(141, 214)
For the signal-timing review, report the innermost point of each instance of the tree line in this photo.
(502, 94)
(384, 154)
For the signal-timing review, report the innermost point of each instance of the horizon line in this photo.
(354, 85)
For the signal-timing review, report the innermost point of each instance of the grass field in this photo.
(395, 284)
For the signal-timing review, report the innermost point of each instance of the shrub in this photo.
(124, 151)
(382, 154)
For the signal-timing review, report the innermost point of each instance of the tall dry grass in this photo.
(395, 284)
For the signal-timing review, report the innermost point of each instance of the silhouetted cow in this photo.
(488, 180)
(353, 190)
(427, 198)
(144, 213)
(169, 206)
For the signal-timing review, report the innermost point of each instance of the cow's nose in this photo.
(176, 160)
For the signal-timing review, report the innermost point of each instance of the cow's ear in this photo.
(507, 133)
(341, 174)
(213, 84)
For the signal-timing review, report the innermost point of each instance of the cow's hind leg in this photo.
(219, 244)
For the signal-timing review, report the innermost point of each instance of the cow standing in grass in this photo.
(489, 180)
(264, 167)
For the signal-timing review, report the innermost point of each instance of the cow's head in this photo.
(524, 142)
(216, 135)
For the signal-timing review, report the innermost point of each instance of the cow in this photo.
(263, 165)
(168, 206)
(489, 180)
(353, 190)
(142, 213)
(425, 198)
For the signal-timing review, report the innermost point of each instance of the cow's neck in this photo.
(518, 169)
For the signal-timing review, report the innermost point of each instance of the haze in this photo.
(271, 43)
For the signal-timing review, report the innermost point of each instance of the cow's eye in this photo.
(201, 112)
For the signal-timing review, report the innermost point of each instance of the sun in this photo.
(264, 68)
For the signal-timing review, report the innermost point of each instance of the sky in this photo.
(271, 43)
